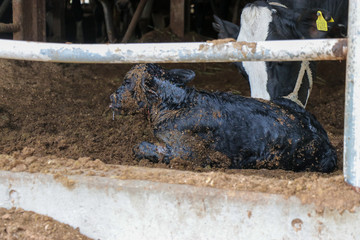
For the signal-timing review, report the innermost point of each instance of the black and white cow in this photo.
(251, 133)
(263, 21)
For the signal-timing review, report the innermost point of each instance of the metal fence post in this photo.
(352, 99)
(30, 16)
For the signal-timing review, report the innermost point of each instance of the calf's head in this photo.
(140, 88)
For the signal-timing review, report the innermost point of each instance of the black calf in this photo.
(252, 133)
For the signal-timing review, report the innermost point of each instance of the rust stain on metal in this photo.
(221, 41)
(215, 43)
(297, 224)
(249, 213)
(249, 45)
(340, 48)
(203, 47)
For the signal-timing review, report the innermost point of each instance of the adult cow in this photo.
(265, 20)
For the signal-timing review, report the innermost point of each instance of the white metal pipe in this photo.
(216, 51)
(352, 99)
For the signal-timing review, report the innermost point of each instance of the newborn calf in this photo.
(251, 133)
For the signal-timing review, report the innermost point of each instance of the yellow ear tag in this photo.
(321, 23)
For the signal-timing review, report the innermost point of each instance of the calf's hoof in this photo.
(151, 152)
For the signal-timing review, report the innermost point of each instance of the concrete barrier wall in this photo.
(106, 208)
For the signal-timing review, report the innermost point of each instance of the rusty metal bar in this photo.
(352, 105)
(108, 20)
(177, 17)
(134, 21)
(9, 27)
(217, 51)
(30, 16)
(17, 8)
(58, 20)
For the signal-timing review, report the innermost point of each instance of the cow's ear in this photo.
(180, 77)
(315, 23)
(225, 28)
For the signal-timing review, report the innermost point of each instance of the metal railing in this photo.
(215, 51)
(352, 99)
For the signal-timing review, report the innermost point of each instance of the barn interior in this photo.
(55, 121)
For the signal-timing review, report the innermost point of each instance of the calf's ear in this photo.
(180, 77)
(149, 87)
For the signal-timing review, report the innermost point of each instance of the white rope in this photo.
(294, 95)
(310, 77)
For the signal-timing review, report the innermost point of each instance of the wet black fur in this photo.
(252, 133)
